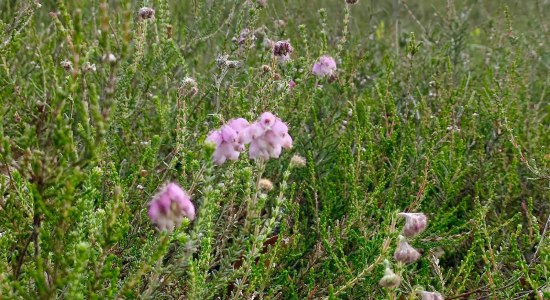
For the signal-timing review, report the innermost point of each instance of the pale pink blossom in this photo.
(415, 223)
(268, 136)
(431, 296)
(229, 140)
(325, 66)
(169, 206)
(405, 253)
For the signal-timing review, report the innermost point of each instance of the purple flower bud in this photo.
(405, 253)
(325, 66)
(282, 50)
(431, 296)
(415, 223)
(169, 207)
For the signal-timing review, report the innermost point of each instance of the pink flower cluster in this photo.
(229, 140)
(170, 206)
(267, 137)
(325, 66)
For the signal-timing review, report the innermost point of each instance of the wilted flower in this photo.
(352, 1)
(88, 67)
(390, 280)
(170, 206)
(189, 87)
(325, 66)
(415, 223)
(67, 65)
(229, 140)
(267, 137)
(282, 50)
(431, 296)
(146, 13)
(405, 253)
(297, 161)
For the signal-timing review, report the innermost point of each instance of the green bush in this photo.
(436, 107)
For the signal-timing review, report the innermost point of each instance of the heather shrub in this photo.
(274, 149)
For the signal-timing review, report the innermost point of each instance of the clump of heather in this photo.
(107, 110)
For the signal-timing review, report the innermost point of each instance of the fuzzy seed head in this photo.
(298, 161)
(265, 185)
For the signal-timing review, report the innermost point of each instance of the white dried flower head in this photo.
(88, 67)
(110, 58)
(146, 13)
(298, 161)
(390, 280)
(415, 223)
(265, 185)
(405, 253)
(431, 296)
(67, 65)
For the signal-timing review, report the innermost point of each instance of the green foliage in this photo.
(439, 108)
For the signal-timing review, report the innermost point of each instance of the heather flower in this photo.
(431, 296)
(282, 50)
(229, 140)
(415, 223)
(390, 280)
(325, 66)
(170, 206)
(146, 13)
(267, 137)
(291, 84)
(405, 253)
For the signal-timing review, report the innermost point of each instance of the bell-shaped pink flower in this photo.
(405, 253)
(229, 140)
(268, 136)
(325, 66)
(431, 296)
(169, 206)
(415, 223)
